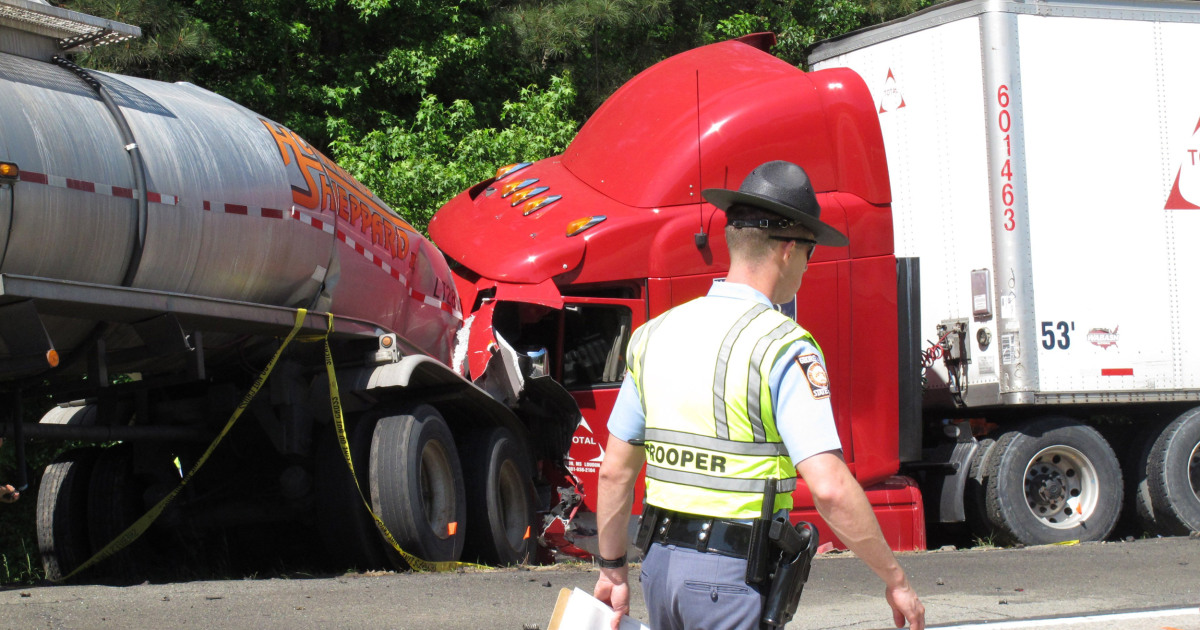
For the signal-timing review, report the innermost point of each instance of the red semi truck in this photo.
(566, 256)
(958, 396)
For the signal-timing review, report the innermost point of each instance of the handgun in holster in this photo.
(787, 583)
(779, 558)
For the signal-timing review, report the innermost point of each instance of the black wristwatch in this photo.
(605, 563)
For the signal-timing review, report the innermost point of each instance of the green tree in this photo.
(417, 165)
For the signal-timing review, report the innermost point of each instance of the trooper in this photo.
(725, 400)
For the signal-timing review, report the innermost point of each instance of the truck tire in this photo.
(975, 501)
(500, 500)
(62, 524)
(1139, 508)
(417, 485)
(114, 503)
(1051, 481)
(350, 536)
(1173, 476)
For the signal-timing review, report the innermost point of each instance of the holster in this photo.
(646, 524)
(797, 547)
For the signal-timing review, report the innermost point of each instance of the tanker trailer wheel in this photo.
(346, 527)
(500, 500)
(1053, 480)
(114, 503)
(417, 485)
(1172, 483)
(62, 523)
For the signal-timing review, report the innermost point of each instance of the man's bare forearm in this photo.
(622, 462)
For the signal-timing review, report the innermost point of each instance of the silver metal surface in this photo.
(1009, 207)
(240, 209)
(63, 25)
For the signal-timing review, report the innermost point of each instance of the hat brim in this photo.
(824, 233)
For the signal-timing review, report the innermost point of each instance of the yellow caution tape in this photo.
(339, 423)
(139, 527)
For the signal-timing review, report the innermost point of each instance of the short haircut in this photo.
(752, 243)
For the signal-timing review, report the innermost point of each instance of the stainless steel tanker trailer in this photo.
(157, 241)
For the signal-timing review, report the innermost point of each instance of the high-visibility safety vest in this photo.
(702, 371)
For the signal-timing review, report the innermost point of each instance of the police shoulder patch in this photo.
(815, 374)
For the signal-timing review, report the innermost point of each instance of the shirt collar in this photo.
(738, 291)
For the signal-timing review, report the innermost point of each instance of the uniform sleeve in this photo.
(803, 413)
(627, 420)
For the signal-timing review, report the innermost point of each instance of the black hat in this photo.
(784, 189)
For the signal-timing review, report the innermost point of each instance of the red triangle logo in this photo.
(1176, 200)
(892, 99)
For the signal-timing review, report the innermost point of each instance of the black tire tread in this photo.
(1176, 509)
(1003, 516)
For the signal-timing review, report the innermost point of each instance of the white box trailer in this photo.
(1045, 170)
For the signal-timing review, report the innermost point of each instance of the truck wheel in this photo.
(1139, 508)
(114, 503)
(500, 500)
(975, 501)
(1053, 480)
(346, 527)
(417, 485)
(62, 512)
(1173, 476)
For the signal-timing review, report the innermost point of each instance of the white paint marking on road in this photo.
(1064, 621)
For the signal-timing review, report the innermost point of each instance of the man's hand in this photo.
(9, 494)
(906, 606)
(612, 588)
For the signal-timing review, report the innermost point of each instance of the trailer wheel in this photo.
(500, 500)
(1053, 480)
(346, 527)
(114, 503)
(417, 485)
(1173, 476)
(62, 512)
(975, 501)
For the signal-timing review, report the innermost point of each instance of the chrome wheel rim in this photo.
(1061, 487)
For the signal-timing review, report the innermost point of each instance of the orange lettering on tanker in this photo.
(329, 188)
(292, 147)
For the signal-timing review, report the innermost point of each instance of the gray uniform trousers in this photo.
(687, 589)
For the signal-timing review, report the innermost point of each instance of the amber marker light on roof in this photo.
(8, 170)
(516, 185)
(527, 193)
(583, 223)
(534, 205)
(505, 171)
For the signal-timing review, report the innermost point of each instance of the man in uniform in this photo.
(723, 396)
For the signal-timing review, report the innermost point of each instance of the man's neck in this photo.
(758, 277)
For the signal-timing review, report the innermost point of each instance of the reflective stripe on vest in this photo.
(702, 371)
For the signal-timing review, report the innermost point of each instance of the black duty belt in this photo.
(727, 537)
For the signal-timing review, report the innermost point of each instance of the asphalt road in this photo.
(959, 588)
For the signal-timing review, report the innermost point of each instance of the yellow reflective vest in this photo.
(702, 371)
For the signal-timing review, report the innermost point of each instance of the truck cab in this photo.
(557, 261)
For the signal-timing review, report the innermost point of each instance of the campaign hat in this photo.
(781, 188)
